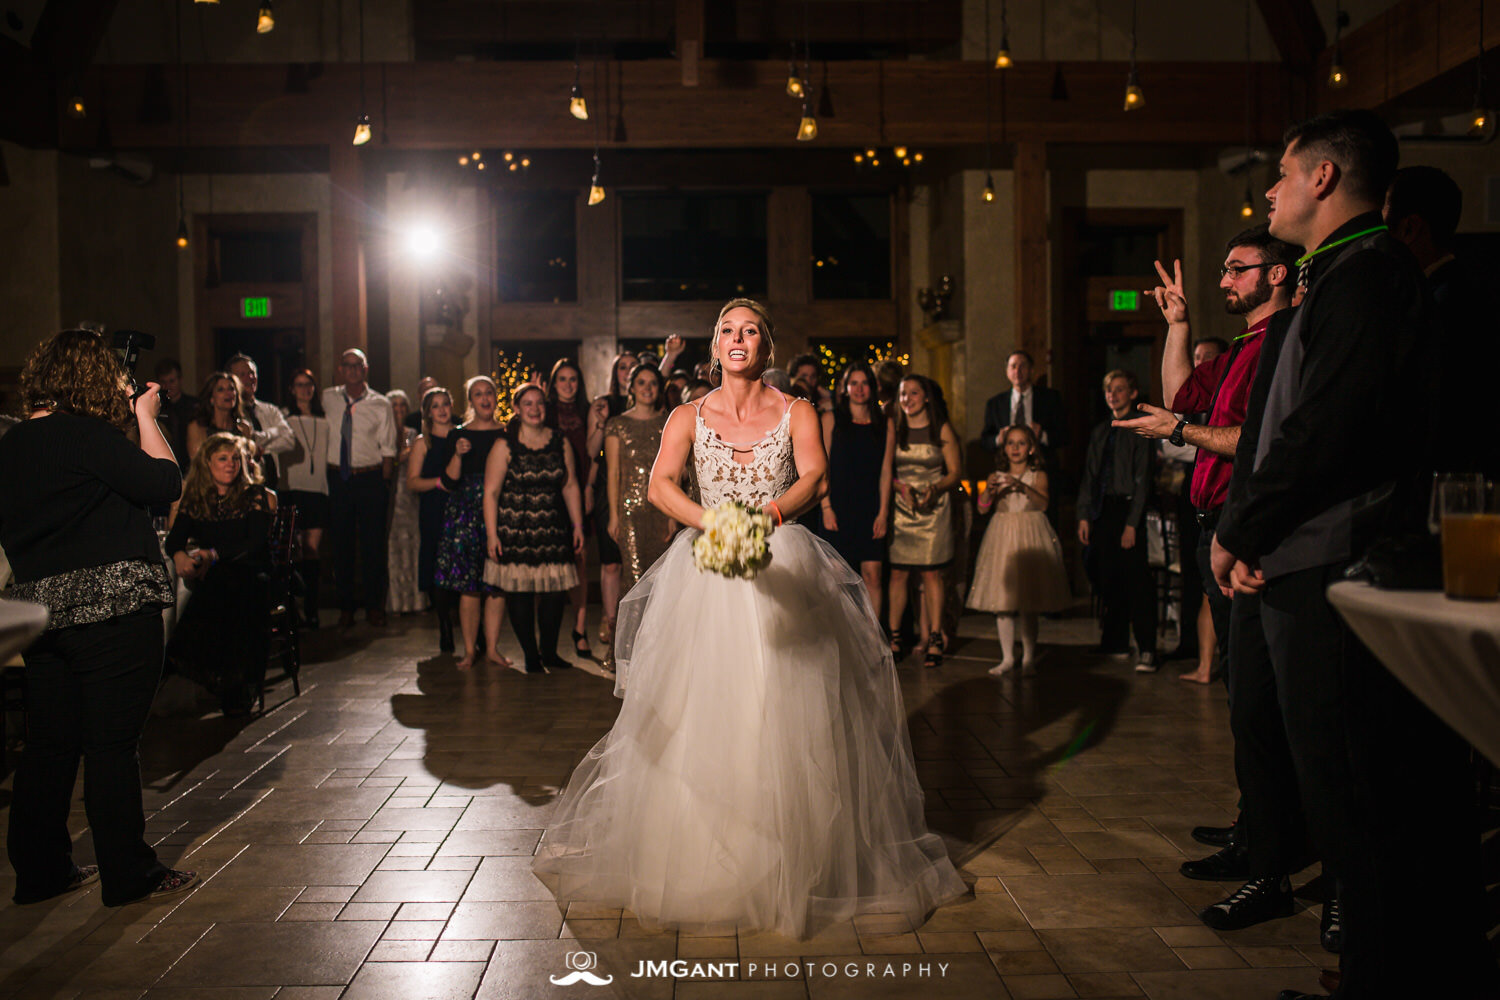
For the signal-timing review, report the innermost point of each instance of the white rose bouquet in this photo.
(735, 540)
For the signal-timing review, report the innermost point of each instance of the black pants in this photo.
(527, 610)
(1218, 604)
(1124, 580)
(88, 692)
(1386, 788)
(357, 511)
(1189, 537)
(1271, 815)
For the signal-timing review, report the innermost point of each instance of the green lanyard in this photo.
(1347, 239)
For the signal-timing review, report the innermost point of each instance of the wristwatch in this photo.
(1176, 437)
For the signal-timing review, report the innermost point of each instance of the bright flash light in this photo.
(424, 242)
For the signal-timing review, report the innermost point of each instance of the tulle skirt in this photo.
(759, 774)
(1020, 566)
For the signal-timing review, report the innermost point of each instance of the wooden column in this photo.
(346, 177)
(1031, 251)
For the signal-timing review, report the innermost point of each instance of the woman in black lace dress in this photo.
(533, 521)
(220, 544)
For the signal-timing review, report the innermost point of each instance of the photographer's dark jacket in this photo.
(74, 493)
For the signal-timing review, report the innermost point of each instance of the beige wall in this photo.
(30, 302)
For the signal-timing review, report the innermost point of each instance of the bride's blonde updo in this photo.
(767, 326)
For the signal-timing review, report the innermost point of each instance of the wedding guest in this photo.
(80, 543)
(674, 354)
(414, 418)
(568, 413)
(461, 549)
(1112, 495)
(806, 372)
(533, 522)
(430, 454)
(888, 375)
(861, 447)
(404, 593)
(926, 467)
(1019, 573)
(613, 403)
(697, 389)
(220, 544)
(361, 455)
(1026, 405)
(1422, 207)
(631, 442)
(177, 408)
(271, 436)
(304, 483)
(1324, 470)
(221, 410)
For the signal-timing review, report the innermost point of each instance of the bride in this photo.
(759, 774)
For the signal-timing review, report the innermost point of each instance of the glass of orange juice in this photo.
(1471, 540)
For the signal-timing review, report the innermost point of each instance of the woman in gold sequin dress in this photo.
(631, 441)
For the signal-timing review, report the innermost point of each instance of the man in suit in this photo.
(1422, 208)
(177, 408)
(1034, 406)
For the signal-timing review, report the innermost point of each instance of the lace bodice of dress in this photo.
(770, 472)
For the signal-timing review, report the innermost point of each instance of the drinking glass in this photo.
(1434, 512)
(1470, 516)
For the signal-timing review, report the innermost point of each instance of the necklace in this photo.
(1338, 243)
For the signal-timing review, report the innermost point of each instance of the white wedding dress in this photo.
(759, 774)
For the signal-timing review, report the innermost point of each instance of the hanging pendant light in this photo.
(1247, 207)
(361, 129)
(596, 192)
(794, 85)
(76, 108)
(265, 20)
(182, 234)
(577, 106)
(1135, 97)
(1002, 57)
(807, 128)
(1337, 77)
(1479, 118)
(989, 188)
(362, 123)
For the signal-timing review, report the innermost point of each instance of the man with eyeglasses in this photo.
(1269, 840)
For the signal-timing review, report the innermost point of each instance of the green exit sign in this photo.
(260, 308)
(1124, 301)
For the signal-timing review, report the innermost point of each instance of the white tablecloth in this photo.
(1447, 652)
(20, 622)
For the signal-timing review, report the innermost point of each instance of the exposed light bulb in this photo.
(807, 129)
(577, 106)
(859, 157)
(463, 161)
(182, 234)
(794, 86)
(916, 157)
(525, 163)
(900, 152)
(362, 130)
(507, 156)
(1337, 78)
(1479, 120)
(1002, 57)
(1247, 207)
(596, 193)
(870, 152)
(479, 165)
(514, 167)
(1135, 97)
(76, 108)
(265, 20)
(476, 156)
(989, 188)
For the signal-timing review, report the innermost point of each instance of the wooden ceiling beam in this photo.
(1296, 30)
(737, 104)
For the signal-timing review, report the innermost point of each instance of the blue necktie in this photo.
(346, 441)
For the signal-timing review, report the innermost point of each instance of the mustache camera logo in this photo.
(582, 963)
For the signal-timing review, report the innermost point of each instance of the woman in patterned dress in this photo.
(404, 594)
(461, 550)
(631, 442)
(533, 522)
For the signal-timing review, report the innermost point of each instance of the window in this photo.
(536, 257)
(254, 258)
(851, 241)
(692, 246)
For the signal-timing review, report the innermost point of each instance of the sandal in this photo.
(898, 648)
(935, 646)
(581, 645)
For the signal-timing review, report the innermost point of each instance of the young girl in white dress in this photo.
(759, 775)
(1019, 572)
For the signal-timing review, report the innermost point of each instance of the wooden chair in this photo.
(285, 645)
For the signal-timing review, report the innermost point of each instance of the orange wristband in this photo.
(774, 506)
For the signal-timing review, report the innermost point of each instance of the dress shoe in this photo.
(1331, 927)
(1255, 902)
(1214, 836)
(375, 619)
(1232, 864)
(346, 619)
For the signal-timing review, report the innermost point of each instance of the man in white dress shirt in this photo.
(272, 435)
(361, 455)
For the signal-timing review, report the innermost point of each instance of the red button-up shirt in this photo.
(1212, 473)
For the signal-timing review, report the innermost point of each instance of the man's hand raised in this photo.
(1169, 296)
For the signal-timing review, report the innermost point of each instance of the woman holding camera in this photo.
(80, 541)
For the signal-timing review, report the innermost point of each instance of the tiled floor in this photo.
(372, 839)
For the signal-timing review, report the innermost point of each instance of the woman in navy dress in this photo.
(861, 444)
(424, 477)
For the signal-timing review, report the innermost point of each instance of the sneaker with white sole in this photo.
(1149, 663)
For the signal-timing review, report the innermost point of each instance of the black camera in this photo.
(128, 344)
